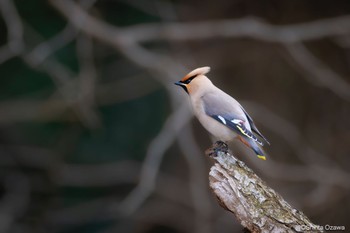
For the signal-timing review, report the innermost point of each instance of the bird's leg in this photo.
(221, 146)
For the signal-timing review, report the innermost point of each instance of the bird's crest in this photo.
(194, 73)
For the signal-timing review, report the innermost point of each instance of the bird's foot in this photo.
(217, 147)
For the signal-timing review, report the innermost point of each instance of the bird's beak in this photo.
(180, 84)
(183, 85)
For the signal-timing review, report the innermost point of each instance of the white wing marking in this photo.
(222, 119)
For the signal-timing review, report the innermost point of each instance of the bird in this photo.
(219, 113)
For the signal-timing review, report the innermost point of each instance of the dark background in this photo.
(94, 136)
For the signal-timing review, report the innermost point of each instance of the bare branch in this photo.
(126, 40)
(42, 51)
(6, 53)
(317, 72)
(15, 200)
(106, 33)
(289, 132)
(198, 186)
(61, 39)
(246, 27)
(97, 175)
(87, 82)
(23, 110)
(14, 25)
(154, 155)
(256, 206)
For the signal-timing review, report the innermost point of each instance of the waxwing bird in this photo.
(219, 113)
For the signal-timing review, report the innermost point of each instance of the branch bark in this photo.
(256, 206)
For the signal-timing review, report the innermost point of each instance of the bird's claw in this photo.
(217, 147)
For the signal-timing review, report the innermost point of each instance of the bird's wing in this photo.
(253, 126)
(238, 126)
(228, 115)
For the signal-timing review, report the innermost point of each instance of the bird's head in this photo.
(195, 80)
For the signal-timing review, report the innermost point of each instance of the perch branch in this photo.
(256, 206)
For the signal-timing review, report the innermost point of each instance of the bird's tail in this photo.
(258, 151)
(254, 146)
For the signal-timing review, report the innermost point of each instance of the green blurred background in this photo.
(96, 138)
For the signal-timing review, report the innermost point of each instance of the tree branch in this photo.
(256, 206)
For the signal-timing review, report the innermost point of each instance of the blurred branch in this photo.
(110, 35)
(198, 184)
(155, 153)
(79, 95)
(28, 156)
(42, 51)
(56, 109)
(159, 213)
(60, 74)
(156, 212)
(245, 27)
(170, 188)
(315, 163)
(86, 101)
(146, 59)
(48, 47)
(289, 132)
(256, 206)
(14, 201)
(97, 175)
(14, 31)
(317, 71)
(127, 40)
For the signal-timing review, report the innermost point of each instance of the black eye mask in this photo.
(189, 79)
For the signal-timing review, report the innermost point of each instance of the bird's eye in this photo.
(187, 81)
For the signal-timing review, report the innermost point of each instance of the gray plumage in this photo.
(219, 113)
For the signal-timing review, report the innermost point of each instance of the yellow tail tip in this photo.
(261, 157)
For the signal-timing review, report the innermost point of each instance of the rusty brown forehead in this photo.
(188, 76)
